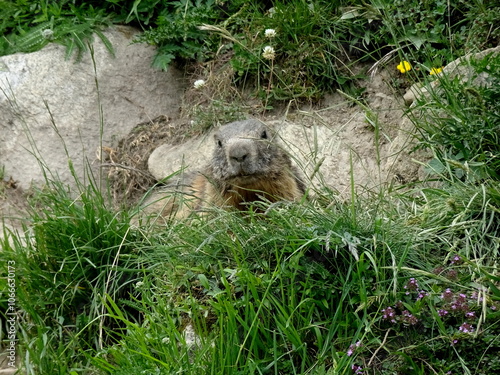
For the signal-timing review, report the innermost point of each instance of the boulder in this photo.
(50, 106)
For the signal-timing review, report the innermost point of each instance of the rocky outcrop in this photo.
(50, 107)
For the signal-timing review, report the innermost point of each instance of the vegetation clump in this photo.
(314, 43)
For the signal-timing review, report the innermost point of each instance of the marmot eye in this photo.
(219, 143)
(264, 135)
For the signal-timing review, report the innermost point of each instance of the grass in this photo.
(74, 255)
(291, 291)
(394, 282)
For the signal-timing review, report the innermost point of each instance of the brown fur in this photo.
(247, 165)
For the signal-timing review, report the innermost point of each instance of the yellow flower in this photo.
(404, 66)
(435, 71)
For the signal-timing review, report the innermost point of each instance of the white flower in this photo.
(268, 53)
(47, 33)
(271, 11)
(270, 33)
(199, 83)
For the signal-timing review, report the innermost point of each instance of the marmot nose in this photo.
(239, 158)
(240, 152)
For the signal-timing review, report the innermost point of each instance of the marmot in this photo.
(247, 165)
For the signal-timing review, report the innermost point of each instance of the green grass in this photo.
(393, 282)
(289, 292)
(459, 120)
(75, 253)
(316, 42)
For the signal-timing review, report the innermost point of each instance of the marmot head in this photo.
(245, 152)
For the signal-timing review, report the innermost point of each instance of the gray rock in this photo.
(130, 92)
(191, 155)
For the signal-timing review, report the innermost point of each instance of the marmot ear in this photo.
(218, 141)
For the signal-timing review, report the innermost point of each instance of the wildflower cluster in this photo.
(456, 302)
(398, 314)
(356, 369)
(270, 33)
(404, 67)
(435, 71)
(460, 306)
(451, 274)
(268, 52)
(458, 309)
(353, 347)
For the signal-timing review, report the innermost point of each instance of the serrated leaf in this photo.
(163, 60)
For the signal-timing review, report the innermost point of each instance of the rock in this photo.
(458, 67)
(40, 89)
(192, 155)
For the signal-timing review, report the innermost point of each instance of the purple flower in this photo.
(476, 297)
(411, 285)
(358, 370)
(470, 314)
(409, 318)
(352, 348)
(466, 328)
(447, 295)
(460, 303)
(422, 294)
(389, 314)
(442, 312)
(456, 259)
